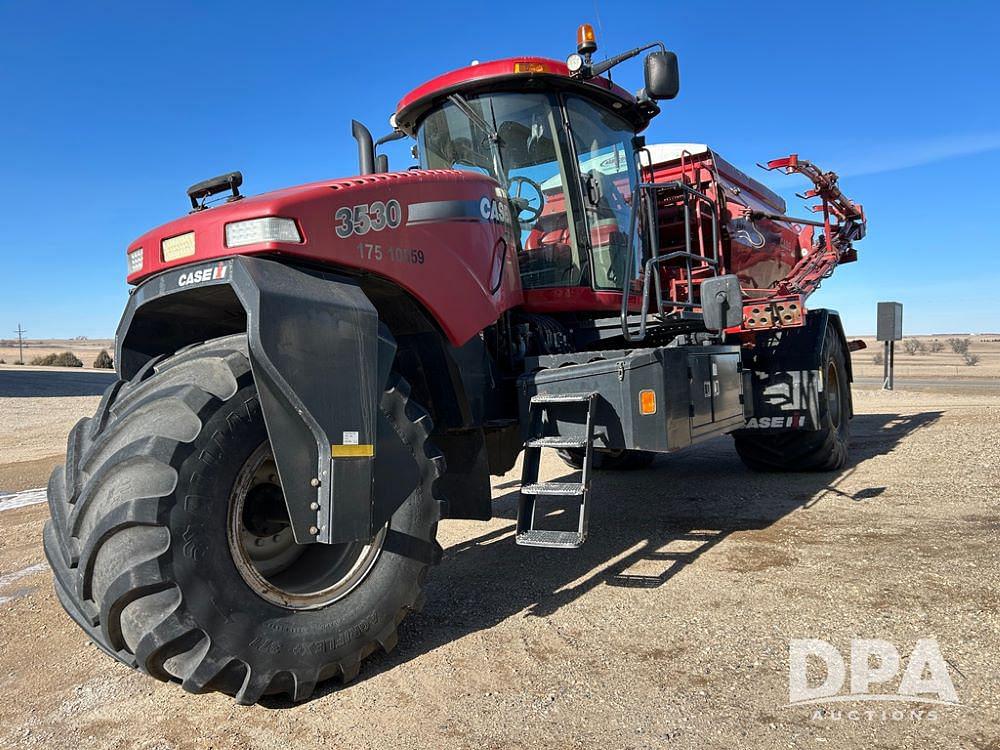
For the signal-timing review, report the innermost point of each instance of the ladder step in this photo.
(553, 488)
(557, 539)
(531, 488)
(562, 398)
(555, 441)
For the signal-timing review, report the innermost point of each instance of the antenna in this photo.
(20, 343)
(597, 13)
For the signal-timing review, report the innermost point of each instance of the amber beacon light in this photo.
(586, 42)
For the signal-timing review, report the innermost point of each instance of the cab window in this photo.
(602, 143)
(534, 168)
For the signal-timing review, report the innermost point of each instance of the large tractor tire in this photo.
(824, 449)
(171, 545)
(623, 460)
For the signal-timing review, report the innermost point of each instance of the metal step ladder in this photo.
(531, 489)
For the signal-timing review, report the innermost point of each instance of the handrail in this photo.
(647, 197)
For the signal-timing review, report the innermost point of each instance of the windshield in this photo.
(561, 230)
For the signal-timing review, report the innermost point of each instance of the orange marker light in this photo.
(586, 42)
(647, 402)
(530, 67)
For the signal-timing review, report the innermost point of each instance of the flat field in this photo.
(924, 364)
(670, 627)
(86, 349)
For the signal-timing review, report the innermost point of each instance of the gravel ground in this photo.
(669, 628)
(38, 407)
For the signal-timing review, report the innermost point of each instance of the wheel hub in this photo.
(290, 575)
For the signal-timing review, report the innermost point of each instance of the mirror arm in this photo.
(381, 160)
(395, 135)
(603, 67)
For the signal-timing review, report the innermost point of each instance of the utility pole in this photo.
(20, 343)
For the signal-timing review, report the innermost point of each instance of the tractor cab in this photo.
(561, 140)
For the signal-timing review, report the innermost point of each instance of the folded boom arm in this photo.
(843, 223)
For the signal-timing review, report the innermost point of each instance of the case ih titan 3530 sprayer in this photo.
(312, 378)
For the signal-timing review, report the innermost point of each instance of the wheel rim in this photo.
(833, 401)
(290, 575)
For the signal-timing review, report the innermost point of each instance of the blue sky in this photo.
(112, 110)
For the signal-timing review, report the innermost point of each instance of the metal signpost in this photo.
(889, 329)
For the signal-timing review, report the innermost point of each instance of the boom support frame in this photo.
(781, 306)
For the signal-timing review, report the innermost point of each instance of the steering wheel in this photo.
(522, 203)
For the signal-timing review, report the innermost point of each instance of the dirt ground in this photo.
(669, 628)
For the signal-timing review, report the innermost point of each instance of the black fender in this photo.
(320, 360)
(782, 373)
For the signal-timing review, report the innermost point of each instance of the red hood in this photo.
(209, 225)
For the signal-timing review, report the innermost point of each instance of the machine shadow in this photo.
(692, 499)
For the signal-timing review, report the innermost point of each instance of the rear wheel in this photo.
(825, 449)
(620, 460)
(172, 548)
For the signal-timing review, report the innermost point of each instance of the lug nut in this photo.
(313, 506)
(314, 482)
(313, 530)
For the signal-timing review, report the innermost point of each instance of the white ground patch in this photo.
(11, 500)
(10, 578)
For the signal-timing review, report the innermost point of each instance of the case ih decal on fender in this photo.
(795, 422)
(214, 273)
(368, 217)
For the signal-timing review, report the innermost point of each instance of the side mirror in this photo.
(663, 80)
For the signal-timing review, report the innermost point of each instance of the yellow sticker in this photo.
(352, 451)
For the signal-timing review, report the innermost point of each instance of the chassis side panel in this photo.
(691, 394)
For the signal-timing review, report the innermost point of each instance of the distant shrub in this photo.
(63, 359)
(104, 361)
(935, 346)
(959, 346)
(878, 358)
(971, 360)
(3, 361)
(913, 346)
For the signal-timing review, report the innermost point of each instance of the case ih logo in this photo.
(216, 272)
(496, 211)
(775, 423)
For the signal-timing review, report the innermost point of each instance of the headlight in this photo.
(264, 229)
(181, 246)
(134, 260)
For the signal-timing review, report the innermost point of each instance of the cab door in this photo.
(605, 160)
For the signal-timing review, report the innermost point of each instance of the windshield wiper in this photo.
(491, 135)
